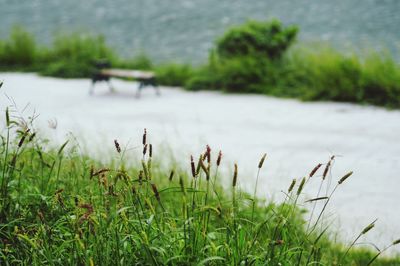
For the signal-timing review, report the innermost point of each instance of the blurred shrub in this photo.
(265, 39)
(173, 74)
(140, 61)
(326, 74)
(18, 50)
(381, 80)
(246, 58)
(73, 55)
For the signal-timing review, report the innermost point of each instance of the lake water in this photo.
(184, 30)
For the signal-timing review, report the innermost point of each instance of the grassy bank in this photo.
(256, 57)
(61, 207)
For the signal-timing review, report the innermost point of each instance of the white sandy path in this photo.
(295, 135)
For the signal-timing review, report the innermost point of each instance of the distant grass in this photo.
(58, 206)
(309, 73)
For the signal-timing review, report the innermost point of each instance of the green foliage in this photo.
(246, 58)
(326, 74)
(58, 206)
(141, 61)
(265, 39)
(73, 55)
(173, 74)
(381, 80)
(19, 50)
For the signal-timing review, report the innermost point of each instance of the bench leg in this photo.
(157, 89)
(91, 89)
(110, 86)
(139, 90)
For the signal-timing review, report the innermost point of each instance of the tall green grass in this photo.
(58, 206)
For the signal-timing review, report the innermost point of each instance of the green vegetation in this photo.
(58, 206)
(256, 57)
(267, 65)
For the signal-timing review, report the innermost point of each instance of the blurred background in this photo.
(184, 30)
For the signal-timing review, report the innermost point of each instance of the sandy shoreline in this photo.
(295, 135)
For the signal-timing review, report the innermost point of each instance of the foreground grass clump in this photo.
(60, 207)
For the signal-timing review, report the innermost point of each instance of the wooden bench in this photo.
(104, 73)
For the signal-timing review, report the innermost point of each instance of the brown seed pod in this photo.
(219, 158)
(235, 174)
(117, 147)
(155, 191)
(292, 185)
(260, 164)
(312, 173)
(345, 177)
(193, 167)
(22, 140)
(301, 186)
(144, 137)
(326, 170)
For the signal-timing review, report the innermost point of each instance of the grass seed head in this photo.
(301, 186)
(205, 169)
(396, 242)
(219, 158)
(208, 154)
(144, 139)
(235, 174)
(312, 173)
(292, 185)
(155, 191)
(22, 140)
(32, 136)
(117, 147)
(140, 177)
(260, 164)
(182, 185)
(345, 177)
(328, 165)
(151, 150)
(144, 149)
(368, 228)
(193, 167)
(171, 175)
(199, 164)
(7, 117)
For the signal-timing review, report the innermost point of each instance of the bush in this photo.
(246, 59)
(269, 39)
(326, 74)
(381, 80)
(18, 50)
(173, 74)
(73, 55)
(141, 61)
